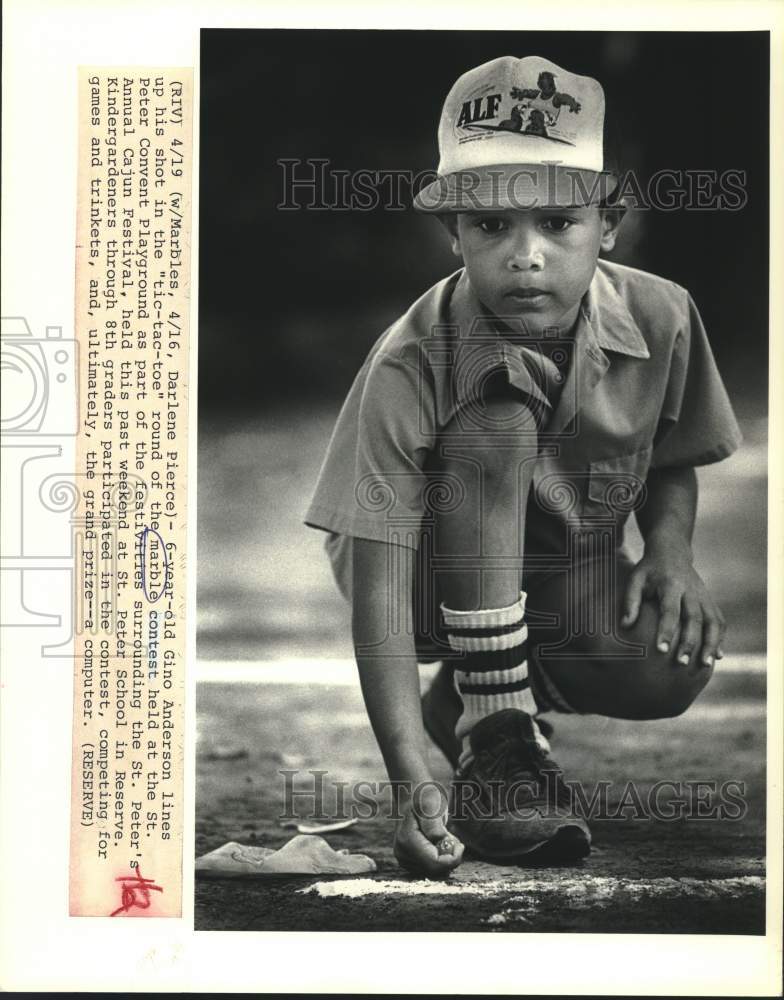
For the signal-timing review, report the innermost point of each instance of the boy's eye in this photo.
(491, 226)
(557, 223)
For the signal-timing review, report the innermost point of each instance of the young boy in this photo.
(483, 466)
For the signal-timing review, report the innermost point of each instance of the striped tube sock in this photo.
(493, 672)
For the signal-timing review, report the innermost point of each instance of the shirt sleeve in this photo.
(373, 481)
(697, 425)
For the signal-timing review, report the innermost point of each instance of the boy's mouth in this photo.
(530, 294)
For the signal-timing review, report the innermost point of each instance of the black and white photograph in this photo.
(392, 535)
(482, 481)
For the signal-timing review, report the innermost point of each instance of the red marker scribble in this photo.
(135, 892)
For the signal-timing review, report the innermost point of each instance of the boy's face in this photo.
(533, 264)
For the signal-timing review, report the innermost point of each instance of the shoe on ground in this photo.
(510, 803)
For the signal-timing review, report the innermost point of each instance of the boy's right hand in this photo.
(423, 844)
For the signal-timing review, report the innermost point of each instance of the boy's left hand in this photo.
(666, 576)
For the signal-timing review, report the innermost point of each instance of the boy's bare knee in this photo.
(501, 411)
(510, 413)
(667, 688)
(655, 686)
(503, 432)
(600, 677)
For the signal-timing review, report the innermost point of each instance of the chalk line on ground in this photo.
(589, 890)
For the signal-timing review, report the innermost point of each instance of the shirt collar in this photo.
(612, 324)
(604, 324)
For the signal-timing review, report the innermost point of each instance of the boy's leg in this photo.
(508, 799)
(579, 664)
(479, 555)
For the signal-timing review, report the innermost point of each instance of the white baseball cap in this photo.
(519, 133)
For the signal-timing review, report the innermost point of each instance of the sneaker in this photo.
(510, 802)
(441, 708)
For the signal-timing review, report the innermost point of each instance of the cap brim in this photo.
(515, 186)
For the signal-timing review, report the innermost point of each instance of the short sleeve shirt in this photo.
(641, 391)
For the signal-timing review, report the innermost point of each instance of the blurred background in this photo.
(290, 302)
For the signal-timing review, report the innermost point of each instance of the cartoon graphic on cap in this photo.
(538, 109)
(519, 130)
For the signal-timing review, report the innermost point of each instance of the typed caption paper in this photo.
(132, 297)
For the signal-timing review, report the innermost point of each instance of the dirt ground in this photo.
(644, 875)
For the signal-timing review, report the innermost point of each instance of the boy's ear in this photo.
(449, 221)
(611, 223)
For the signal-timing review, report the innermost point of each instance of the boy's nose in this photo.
(526, 256)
